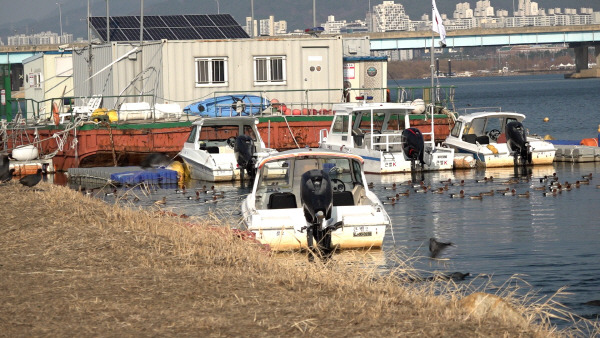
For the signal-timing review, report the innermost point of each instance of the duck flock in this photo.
(547, 186)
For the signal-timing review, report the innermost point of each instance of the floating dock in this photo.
(576, 153)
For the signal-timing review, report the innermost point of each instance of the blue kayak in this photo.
(228, 105)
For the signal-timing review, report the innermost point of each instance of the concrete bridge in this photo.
(578, 37)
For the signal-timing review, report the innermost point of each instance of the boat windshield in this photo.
(285, 175)
(384, 120)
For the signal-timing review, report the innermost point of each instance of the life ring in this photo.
(55, 115)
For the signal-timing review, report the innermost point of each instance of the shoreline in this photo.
(74, 265)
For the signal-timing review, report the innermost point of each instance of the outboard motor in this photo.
(244, 150)
(316, 195)
(413, 146)
(516, 139)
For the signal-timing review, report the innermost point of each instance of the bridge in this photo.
(578, 37)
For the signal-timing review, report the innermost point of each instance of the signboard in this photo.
(349, 71)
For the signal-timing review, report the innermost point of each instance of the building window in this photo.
(211, 72)
(269, 70)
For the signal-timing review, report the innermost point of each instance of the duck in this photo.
(587, 182)
(162, 201)
(525, 194)
(511, 181)
(484, 180)
(587, 177)
(510, 193)
(370, 185)
(488, 193)
(460, 194)
(550, 193)
(112, 193)
(448, 181)
(391, 202)
(423, 189)
(181, 191)
(393, 187)
(542, 188)
(461, 183)
(438, 191)
(405, 193)
(476, 197)
(395, 196)
(502, 190)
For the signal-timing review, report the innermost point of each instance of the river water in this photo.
(549, 242)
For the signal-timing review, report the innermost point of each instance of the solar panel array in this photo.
(170, 27)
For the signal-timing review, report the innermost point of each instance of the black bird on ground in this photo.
(7, 176)
(436, 247)
(155, 160)
(31, 180)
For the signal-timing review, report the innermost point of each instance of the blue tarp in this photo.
(165, 176)
(228, 106)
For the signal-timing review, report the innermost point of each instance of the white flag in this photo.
(437, 25)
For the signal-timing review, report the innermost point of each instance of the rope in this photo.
(290, 129)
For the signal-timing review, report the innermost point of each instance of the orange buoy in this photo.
(55, 115)
(296, 112)
(593, 142)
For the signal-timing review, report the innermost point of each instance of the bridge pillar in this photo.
(581, 61)
(581, 58)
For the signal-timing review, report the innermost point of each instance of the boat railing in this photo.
(276, 102)
(385, 142)
(66, 110)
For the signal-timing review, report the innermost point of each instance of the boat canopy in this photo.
(472, 116)
(309, 153)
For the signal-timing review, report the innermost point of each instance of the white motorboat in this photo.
(281, 208)
(381, 134)
(498, 139)
(223, 148)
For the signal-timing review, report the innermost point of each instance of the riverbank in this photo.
(74, 265)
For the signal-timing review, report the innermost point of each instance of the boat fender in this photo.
(493, 149)
(593, 142)
(55, 115)
(239, 106)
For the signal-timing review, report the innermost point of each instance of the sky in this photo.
(33, 16)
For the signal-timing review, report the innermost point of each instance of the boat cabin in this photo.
(484, 128)
(370, 126)
(218, 135)
(279, 178)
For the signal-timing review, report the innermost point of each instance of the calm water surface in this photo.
(550, 242)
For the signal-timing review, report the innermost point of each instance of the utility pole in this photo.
(314, 14)
(107, 24)
(218, 10)
(252, 18)
(60, 19)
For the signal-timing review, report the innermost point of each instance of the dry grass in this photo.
(73, 265)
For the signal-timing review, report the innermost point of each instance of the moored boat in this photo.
(498, 139)
(223, 148)
(276, 210)
(381, 133)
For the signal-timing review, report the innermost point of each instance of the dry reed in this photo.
(74, 265)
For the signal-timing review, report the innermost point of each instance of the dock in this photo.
(576, 153)
(122, 175)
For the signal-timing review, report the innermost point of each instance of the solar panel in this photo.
(173, 21)
(153, 22)
(199, 20)
(221, 20)
(124, 22)
(170, 27)
(185, 33)
(234, 32)
(210, 32)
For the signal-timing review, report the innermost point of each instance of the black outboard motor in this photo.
(316, 195)
(244, 150)
(413, 145)
(516, 139)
